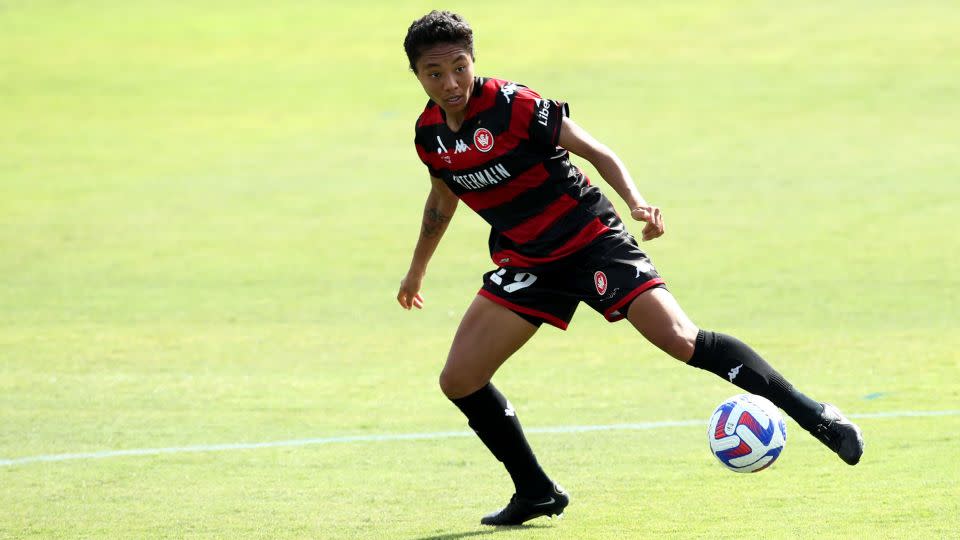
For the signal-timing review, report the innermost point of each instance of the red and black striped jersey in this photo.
(506, 165)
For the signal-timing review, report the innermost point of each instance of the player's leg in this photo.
(658, 316)
(489, 334)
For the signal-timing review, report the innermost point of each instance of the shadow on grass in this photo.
(491, 530)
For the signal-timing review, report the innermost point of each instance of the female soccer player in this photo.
(557, 241)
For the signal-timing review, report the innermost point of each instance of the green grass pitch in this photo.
(206, 209)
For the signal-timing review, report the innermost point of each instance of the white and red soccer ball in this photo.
(747, 433)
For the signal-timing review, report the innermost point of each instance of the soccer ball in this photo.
(747, 433)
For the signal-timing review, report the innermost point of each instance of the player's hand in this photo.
(409, 295)
(653, 218)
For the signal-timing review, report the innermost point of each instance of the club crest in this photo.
(483, 140)
(600, 281)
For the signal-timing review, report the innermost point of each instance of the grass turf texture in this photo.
(205, 212)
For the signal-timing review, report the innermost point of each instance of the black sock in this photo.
(493, 419)
(736, 362)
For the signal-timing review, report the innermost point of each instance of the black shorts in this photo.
(607, 275)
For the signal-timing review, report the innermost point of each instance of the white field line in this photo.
(641, 426)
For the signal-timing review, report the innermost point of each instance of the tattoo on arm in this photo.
(433, 222)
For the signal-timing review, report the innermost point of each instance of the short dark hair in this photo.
(433, 28)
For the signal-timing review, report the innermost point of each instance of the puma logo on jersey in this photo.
(734, 372)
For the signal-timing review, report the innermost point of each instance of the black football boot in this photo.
(839, 434)
(520, 510)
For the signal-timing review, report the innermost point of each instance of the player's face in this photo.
(446, 73)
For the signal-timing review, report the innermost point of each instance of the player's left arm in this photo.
(576, 140)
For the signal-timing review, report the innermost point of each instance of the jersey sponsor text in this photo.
(543, 111)
(483, 178)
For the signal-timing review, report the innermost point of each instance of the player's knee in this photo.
(457, 384)
(678, 341)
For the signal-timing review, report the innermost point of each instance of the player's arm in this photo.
(440, 206)
(576, 139)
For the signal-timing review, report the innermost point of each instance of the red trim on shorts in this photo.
(559, 323)
(630, 296)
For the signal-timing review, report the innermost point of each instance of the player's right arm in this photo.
(440, 206)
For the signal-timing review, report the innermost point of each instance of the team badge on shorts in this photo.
(600, 281)
(483, 139)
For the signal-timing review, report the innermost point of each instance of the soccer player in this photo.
(557, 241)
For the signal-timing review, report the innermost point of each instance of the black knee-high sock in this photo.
(494, 420)
(736, 362)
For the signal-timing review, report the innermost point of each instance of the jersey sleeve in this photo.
(545, 118)
(425, 157)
